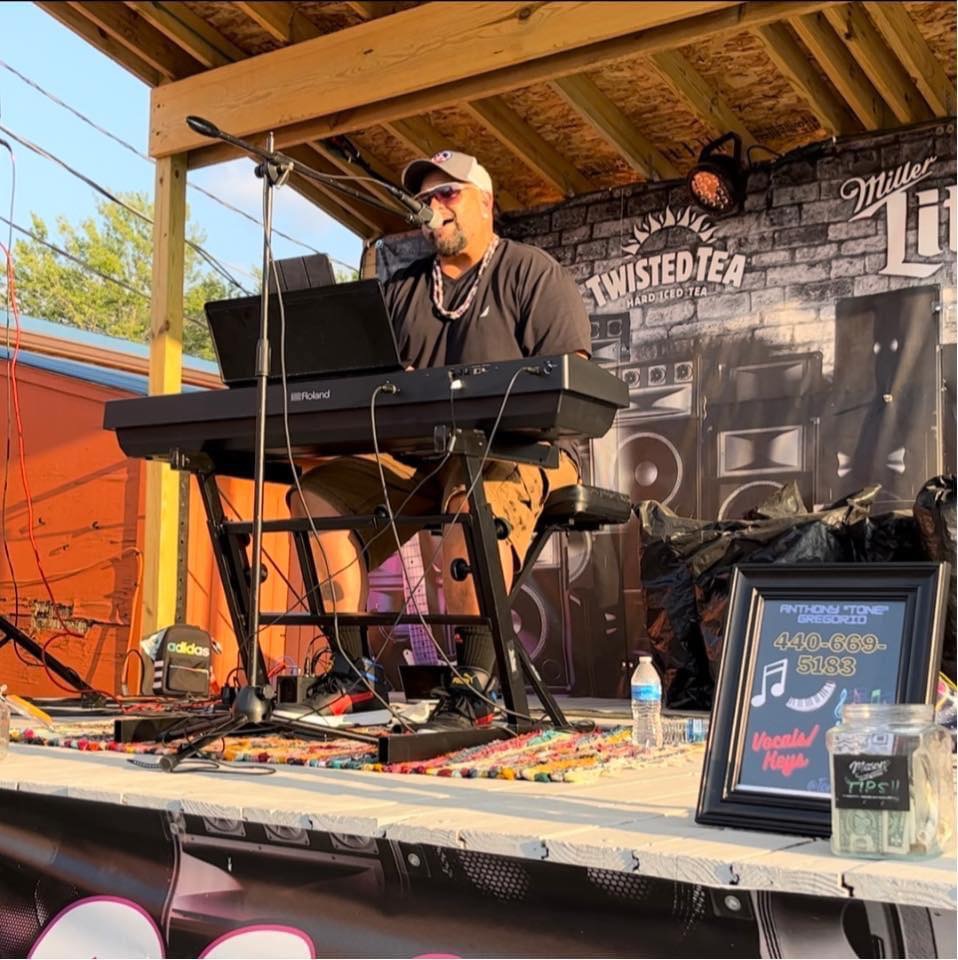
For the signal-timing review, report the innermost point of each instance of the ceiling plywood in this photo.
(648, 101)
(937, 22)
(546, 111)
(738, 68)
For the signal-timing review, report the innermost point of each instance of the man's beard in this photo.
(449, 245)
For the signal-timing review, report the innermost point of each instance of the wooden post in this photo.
(160, 546)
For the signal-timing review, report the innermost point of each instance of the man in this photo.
(479, 299)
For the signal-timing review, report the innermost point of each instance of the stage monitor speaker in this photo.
(880, 422)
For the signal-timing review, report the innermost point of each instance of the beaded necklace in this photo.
(438, 295)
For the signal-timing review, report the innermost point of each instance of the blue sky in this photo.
(56, 59)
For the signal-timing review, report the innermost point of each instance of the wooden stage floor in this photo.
(638, 821)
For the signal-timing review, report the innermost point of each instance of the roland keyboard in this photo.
(551, 398)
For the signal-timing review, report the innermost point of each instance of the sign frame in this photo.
(923, 588)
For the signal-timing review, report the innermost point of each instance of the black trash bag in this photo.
(687, 568)
(935, 515)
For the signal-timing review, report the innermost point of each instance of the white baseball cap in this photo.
(455, 165)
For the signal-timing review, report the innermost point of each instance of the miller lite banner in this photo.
(807, 337)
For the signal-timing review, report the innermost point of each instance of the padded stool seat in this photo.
(580, 507)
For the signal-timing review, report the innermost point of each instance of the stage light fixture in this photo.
(717, 181)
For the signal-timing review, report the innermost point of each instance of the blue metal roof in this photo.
(91, 372)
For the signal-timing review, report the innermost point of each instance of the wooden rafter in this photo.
(327, 199)
(281, 20)
(191, 33)
(911, 48)
(786, 53)
(373, 9)
(393, 56)
(881, 66)
(339, 165)
(839, 65)
(707, 103)
(528, 145)
(422, 137)
(139, 37)
(614, 126)
(643, 42)
(100, 39)
(497, 117)
(203, 42)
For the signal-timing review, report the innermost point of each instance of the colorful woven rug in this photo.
(548, 755)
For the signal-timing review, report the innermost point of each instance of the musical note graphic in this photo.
(842, 697)
(876, 696)
(778, 687)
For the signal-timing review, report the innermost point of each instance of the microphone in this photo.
(424, 214)
(204, 127)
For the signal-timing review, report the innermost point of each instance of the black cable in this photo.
(143, 156)
(299, 490)
(103, 191)
(208, 764)
(482, 461)
(89, 267)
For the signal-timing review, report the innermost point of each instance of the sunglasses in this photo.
(447, 193)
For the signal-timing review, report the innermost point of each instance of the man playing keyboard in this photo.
(479, 299)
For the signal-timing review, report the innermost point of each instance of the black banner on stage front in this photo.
(81, 879)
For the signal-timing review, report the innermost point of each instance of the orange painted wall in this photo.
(88, 525)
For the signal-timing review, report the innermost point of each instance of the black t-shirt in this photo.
(526, 305)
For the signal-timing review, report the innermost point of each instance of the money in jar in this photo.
(891, 782)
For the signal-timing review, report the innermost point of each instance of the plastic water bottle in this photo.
(646, 706)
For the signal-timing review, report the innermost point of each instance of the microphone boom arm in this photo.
(416, 212)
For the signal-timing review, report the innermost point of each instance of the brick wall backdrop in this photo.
(803, 254)
(775, 345)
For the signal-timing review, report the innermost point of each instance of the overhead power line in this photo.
(89, 267)
(90, 182)
(143, 156)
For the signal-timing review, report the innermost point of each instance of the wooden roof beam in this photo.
(362, 220)
(191, 33)
(344, 167)
(497, 117)
(911, 48)
(642, 42)
(420, 136)
(373, 9)
(281, 20)
(528, 145)
(99, 38)
(884, 70)
(141, 39)
(840, 67)
(786, 53)
(614, 127)
(707, 103)
(389, 57)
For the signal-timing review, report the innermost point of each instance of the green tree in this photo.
(118, 244)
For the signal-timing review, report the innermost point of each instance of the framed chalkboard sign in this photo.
(800, 642)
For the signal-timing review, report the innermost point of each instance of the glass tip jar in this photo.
(892, 782)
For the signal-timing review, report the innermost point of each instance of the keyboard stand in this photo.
(230, 539)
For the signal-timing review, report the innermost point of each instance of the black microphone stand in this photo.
(254, 702)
